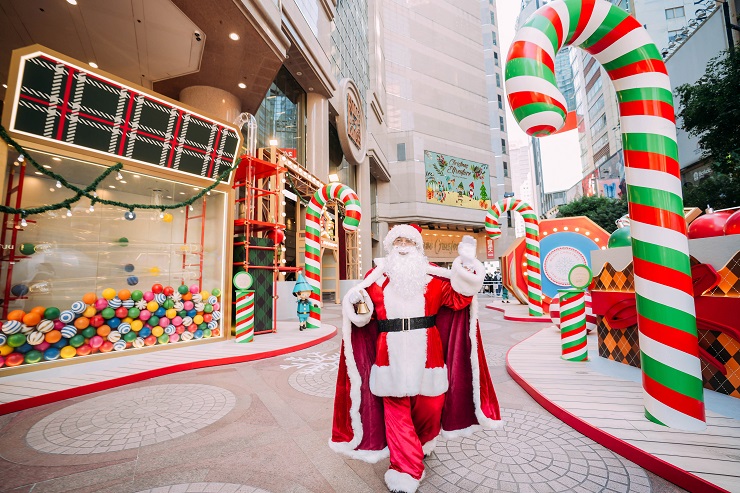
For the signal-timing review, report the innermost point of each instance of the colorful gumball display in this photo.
(112, 321)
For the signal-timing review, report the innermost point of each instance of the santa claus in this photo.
(412, 365)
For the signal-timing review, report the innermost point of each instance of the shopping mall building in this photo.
(388, 98)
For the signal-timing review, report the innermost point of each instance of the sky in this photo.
(561, 155)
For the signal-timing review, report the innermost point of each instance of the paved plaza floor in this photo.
(263, 426)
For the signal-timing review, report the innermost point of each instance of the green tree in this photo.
(717, 191)
(601, 210)
(710, 110)
(483, 192)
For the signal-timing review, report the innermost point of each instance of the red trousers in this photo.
(411, 422)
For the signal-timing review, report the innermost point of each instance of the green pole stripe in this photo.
(543, 24)
(535, 297)
(657, 144)
(518, 67)
(576, 308)
(676, 380)
(661, 255)
(313, 249)
(645, 94)
(574, 12)
(666, 315)
(648, 51)
(568, 345)
(653, 197)
(526, 110)
(653, 418)
(613, 18)
(313, 212)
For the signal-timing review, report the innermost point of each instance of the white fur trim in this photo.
(403, 231)
(435, 270)
(465, 282)
(370, 456)
(348, 309)
(483, 420)
(384, 382)
(428, 447)
(400, 481)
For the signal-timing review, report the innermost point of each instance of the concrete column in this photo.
(317, 135)
(364, 193)
(212, 101)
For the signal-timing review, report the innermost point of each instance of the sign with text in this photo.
(456, 182)
(66, 103)
(489, 248)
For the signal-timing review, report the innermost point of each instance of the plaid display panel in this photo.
(610, 279)
(263, 284)
(64, 104)
(729, 284)
(620, 345)
(727, 351)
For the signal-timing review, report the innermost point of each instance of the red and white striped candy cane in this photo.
(672, 380)
(532, 246)
(590, 317)
(351, 222)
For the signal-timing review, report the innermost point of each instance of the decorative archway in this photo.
(672, 379)
(532, 252)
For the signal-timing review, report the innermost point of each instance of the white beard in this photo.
(407, 274)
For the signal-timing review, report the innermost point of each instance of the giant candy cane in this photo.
(313, 237)
(532, 246)
(672, 380)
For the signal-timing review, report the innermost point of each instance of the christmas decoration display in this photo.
(111, 321)
(532, 229)
(667, 324)
(353, 213)
(573, 325)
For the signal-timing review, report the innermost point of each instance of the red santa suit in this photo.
(397, 390)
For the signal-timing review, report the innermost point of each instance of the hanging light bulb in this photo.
(119, 176)
(69, 212)
(191, 207)
(161, 214)
(92, 208)
(59, 184)
(24, 223)
(129, 215)
(21, 158)
(208, 192)
(95, 194)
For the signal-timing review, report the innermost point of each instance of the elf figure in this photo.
(302, 291)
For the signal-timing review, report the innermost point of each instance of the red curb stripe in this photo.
(40, 400)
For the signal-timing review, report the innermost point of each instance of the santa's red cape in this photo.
(358, 428)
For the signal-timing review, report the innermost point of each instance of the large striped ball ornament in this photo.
(45, 326)
(187, 321)
(115, 302)
(3, 339)
(27, 329)
(69, 331)
(114, 336)
(78, 307)
(67, 316)
(197, 298)
(216, 315)
(199, 306)
(35, 338)
(12, 327)
(124, 328)
(212, 300)
(160, 298)
(129, 303)
(119, 345)
(212, 324)
(179, 306)
(186, 336)
(138, 342)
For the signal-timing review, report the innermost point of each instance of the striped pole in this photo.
(590, 317)
(573, 324)
(671, 371)
(353, 213)
(532, 246)
(244, 316)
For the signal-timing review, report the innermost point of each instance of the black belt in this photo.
(402, 324)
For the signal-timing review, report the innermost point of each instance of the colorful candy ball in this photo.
(19, 290)
(132, 280)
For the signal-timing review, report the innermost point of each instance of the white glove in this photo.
(466, 249)
(355, 296)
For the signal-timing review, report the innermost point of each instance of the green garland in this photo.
(89, 191)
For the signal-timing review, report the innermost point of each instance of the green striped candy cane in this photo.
(353, 213)
(532, 246)
(672, 381)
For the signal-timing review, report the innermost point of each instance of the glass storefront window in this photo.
(282, 116)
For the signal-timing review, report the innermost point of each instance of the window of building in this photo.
(282, 115)
(506, 169)
(500, 102)
(501, 123)
(493, 39)
(596, 107)
(601, 142)
(674, 13)
(495, 58)
(598, 125)
(493, 18)
(503, 146)
(401, 151)
(594, 89)
(498, 79)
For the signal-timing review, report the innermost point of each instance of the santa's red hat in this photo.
(410, 231)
